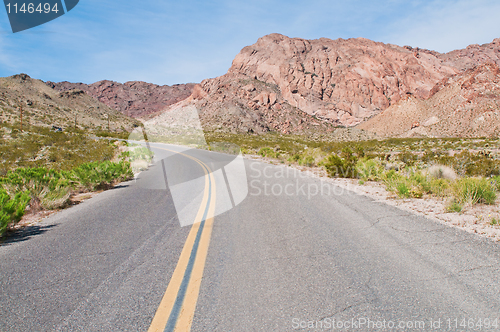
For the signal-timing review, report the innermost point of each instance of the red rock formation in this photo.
(294, 85)
(473, 55)
(343, 82)
(136, 99)
(464, 105)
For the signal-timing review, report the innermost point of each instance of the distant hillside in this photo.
(43, 105)
(298, 86)
(135, 99)
(464, 105)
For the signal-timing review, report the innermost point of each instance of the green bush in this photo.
(307, 161)
(412, 184)
(295, 158)
(268, 152)
(91, 176)
(474, 190)
(343, 166)
(402, 189)
(439, 187)
(41, 147)
(496, 182)
(454, 206)
(53, 188)
(12, 208)
(369, 169)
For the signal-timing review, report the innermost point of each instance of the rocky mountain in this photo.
(42, 105)
(294, 85)
(464, 105)
(135, 99)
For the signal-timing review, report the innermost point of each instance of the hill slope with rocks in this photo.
(464, 105)
(42, 105)
(135, 99)
(294, 85)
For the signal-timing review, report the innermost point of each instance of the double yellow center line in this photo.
(177, 307)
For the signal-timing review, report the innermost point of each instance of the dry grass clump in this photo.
(441, 172)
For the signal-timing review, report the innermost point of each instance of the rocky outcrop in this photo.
(299, 86)
(473, 55)
(464, 105)
(338, 82)
(135, 99)
(342, 81)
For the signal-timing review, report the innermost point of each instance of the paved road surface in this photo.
(281, 260)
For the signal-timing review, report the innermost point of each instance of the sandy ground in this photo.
(474, 219)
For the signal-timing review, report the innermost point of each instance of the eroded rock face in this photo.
(342, 82)
(473, 55)
(299, 86)
(463, 105)
(136, 99)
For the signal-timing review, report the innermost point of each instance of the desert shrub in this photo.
(12, 208)
(420, 179)
(334, 165)
(474, 190)
(39, 182)
(474, 164)
(140, 153)
(403, 186)
(439, 187)
(91, 176)
(41, 147)
(268, 152)
(441, 172)
(496, 182)
(307, 161)
(482, 165)
(295, 158)
(222, 147)
(52, 188)
(409, 184)
(402, 189)
(454, 206)
(344, 166)
(369, 169)
(309, 157)
(407, 158)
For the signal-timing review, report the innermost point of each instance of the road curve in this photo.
(295, 254)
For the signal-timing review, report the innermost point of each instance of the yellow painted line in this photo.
(186, 314)
(188, 308)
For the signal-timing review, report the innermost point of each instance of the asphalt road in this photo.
(295, 254)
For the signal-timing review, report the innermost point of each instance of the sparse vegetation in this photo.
(43, 147)
(42, 168)
(467, 171)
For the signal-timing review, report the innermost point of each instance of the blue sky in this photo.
(169, 42)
